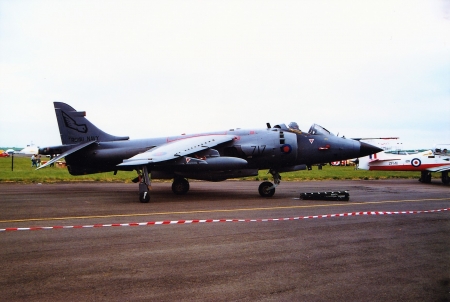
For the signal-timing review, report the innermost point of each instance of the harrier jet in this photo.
(211, 156)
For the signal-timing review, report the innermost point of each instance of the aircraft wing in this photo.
(383, 159)
(370, 138)
(440, 168)
(177, 149)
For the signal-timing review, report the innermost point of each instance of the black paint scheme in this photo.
(227, 154)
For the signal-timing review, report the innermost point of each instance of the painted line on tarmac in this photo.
(191, 221)
(220, 210)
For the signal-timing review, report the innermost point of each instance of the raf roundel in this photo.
(416, 162)
(286, 149)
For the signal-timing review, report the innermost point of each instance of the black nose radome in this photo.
(367, 149)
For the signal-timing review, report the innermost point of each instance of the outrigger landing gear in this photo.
(144, 185)
(267, 189)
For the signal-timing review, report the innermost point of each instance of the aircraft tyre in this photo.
(144, 197)
(425, 177)
(180, 186)
(266, 189)
(445, 178)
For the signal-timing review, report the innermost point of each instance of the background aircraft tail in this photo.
(74, 128)
(364, 162)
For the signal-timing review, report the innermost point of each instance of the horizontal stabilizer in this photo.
(68, 152)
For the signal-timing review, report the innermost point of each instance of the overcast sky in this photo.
(158, 68)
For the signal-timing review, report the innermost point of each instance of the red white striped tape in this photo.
(166, 222)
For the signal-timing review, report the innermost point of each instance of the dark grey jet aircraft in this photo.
(212, 156)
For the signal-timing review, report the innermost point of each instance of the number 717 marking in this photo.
(258, 150)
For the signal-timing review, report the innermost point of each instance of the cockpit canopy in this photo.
(314, 129)
(317, 129)
(293, 126)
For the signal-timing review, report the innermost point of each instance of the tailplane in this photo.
(74, 128)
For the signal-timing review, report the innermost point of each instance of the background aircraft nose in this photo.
(367, 149)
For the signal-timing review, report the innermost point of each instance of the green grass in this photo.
(335, 173)
(24, 173)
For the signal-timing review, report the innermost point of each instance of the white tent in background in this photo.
(29, 149)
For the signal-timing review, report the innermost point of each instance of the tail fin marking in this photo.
(74, 128)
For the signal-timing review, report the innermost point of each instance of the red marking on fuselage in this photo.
(172, 139)
(405, 167)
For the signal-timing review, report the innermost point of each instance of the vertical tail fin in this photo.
(74, 128)
(364, 162)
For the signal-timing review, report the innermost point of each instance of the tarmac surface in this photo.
(269, 249)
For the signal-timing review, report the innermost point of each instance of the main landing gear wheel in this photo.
(425, 177)
(445, 178)
(180, 186)
(266, 189)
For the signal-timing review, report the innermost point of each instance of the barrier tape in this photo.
(167, 222)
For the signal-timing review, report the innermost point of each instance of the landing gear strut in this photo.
(144, 185)
(267, 189)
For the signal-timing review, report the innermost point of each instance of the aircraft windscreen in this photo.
(402, 152)
(317, 129)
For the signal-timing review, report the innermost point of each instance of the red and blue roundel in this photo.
(416, 162)
(286, 149)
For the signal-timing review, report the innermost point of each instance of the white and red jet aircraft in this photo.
(425, 162)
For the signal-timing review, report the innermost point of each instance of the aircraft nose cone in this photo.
(367, 149)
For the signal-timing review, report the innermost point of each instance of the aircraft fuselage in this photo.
(272, 148)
